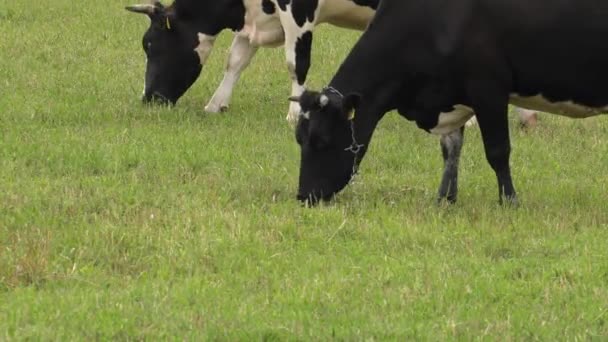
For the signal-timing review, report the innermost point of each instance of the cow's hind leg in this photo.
(490, 103)
(451, 145)
(241, 54)
(527, 118)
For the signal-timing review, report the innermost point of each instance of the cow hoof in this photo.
(216, 109)
(511, 202)
(449, 200)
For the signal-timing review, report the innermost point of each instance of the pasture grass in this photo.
(119, 221)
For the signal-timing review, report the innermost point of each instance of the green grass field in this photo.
(119, 221)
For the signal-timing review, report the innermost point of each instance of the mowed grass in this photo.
(119, 221)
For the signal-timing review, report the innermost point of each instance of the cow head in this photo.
(173, 64)
(328, 148)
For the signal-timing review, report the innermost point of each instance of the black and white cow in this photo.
(181, 37)
(437, 62)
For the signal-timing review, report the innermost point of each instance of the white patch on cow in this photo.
(267, 38)
(344, 13)
(305, 115)
(451, 121)
(567, 108)
(205, 45)
(260, 28)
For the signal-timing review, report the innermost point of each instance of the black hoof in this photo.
(509, 202)
(450, 200)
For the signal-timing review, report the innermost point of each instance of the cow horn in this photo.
(148, 9)
(294, 98)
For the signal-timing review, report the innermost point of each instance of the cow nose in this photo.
(155, 98)
(310, 200)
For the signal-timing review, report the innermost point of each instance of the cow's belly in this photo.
(346, 14)
(262, 29)
(451, 121)
(568, 108)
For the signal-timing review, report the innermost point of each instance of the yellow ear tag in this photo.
(168, 24)
(351, 115)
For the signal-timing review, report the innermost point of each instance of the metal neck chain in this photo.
(333, 90)
(354, 147)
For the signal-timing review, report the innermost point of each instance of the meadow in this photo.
(126, 222)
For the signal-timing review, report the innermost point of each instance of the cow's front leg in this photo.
(298, 44)
(241, 54)
(491, 106)
(451, 145)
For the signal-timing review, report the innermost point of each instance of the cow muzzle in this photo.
(157, 99)
(313, 199)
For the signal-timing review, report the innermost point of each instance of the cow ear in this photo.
(350, 104)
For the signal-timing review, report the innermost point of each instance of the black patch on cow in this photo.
(210, 17)
(268, 7)
(367, 3)
(303, 48)
(303, 10)
(283, 4)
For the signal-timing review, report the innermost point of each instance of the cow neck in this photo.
(375, 82)
(372, 67)
(370, 74)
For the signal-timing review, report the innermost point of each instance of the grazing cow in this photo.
(437, 62)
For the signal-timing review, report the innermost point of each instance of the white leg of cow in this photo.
(298, 78)
(241, 54)
(527, 118)
(296, 90)
(298, 45)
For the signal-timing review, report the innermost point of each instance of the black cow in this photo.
(437, 62)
